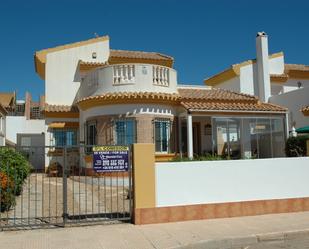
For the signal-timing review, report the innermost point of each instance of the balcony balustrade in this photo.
(129, 78)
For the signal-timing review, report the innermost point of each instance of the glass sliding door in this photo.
(226, 136)
(249, 138)
(233, 132)
(263, 130)
(220, 142)
(249, 144)
(278, 137)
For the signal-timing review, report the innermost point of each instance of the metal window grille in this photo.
(91, 133)
(35, 112)
(125, 131)
(63, 137)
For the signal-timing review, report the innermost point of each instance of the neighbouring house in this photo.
(304, 129)
(24, 119)
(8, 101)
(95, 95)
(23, 126)
(3, 113)
(271, 79)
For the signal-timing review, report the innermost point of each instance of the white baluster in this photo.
(153, 75)
(115, 74)
(164, 76)
(157, 75)
(130, 72)
(161, 75)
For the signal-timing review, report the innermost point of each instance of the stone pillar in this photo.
(189, 136)
(144, 181)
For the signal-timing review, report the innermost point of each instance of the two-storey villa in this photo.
(96, 96)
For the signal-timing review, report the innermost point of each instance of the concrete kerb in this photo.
(236, 242)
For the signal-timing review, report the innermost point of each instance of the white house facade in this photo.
(95, 95)
(271, 79)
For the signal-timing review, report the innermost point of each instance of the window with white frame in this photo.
(125, 131)
(162, 135)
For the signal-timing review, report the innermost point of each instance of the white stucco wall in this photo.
(247, 81)
(15, 125)
(188, 183)
(294, 101)
(2, 129)
(62, 79)
(247, 77)
(101, 81)
(276, 65)
(231, 84)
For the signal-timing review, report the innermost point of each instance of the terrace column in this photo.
(189, 136)
(179, 136)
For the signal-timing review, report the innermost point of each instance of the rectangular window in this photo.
(162, 135)
(91, 133)
(125, 131)
(65, 137)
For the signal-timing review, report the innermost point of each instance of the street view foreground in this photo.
(274, 231)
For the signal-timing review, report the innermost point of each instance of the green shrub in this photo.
(15, 166)
(206, 157)
(7, 198)
(296, 146)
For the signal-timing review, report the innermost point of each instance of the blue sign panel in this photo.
(110, 158)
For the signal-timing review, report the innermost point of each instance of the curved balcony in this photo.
(129, 78)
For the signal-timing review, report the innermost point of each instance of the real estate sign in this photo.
(110, 158)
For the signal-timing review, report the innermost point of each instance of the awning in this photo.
(304, 129)
(61, 125)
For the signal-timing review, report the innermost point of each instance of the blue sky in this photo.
(204, 37)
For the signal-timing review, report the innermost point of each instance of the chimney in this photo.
(28, 105)
(263, 77)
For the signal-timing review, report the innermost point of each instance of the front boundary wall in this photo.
(180, 191)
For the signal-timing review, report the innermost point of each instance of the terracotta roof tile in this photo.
(92, 63)
(305, 109)
(60, 108)
(3, 110)
(138, 55)
(213, 94)
(6, 99)
(298, 67)
(195, 99)
(217, 106)
(132, 95)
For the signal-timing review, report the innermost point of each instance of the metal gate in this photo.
(67, 192)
